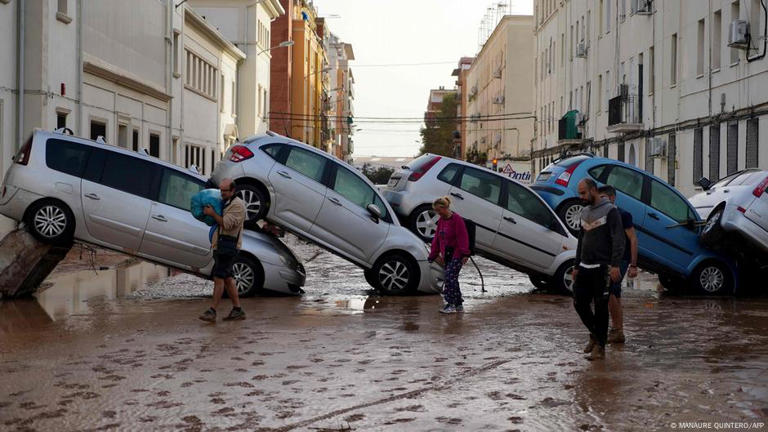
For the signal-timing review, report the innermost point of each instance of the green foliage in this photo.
(476, 157)
(378, 175)
(437, 136)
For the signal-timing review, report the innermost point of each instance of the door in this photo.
(344, 220)
(173, 235)
(299, 191)
(525, 235)
(669, 242)
(117, 196)
(477, 197)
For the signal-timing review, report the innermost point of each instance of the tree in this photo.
(437, 135)
(378, 175)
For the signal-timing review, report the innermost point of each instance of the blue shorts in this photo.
(615, 288)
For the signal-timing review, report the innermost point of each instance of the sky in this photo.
(404, 32)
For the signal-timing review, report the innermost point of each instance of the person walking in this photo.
(628, 267)
(598, 256)
(450, 248)
(227, 241)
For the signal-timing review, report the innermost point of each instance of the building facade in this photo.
(461, 72)
(340, 96)
(673, 87)
(499, 99)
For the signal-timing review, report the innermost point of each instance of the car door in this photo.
(629, 185)
(344, 220)
(757, 211)
(667, 238)
(525, 234)
(117, 197)
(476, 196)
(299, 192)
(173, 235)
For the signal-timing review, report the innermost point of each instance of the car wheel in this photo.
(248, 275)
(370, 278)
(51, 222)
(255, 200)
(395, 274)
(423, 222)
(570, 214)
(539, 282)
(712, 278)
(563, 280)
(712, 234)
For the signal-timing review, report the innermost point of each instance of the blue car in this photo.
(667, 224)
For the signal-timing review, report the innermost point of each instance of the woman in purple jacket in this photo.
(450, 248)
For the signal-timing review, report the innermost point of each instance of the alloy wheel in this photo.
(426, 223)
(712, 222)
(573, 216)
(394, 276)
(568, 279)
(244, 277)
(252, 203)
(712, 279)
(50, 221)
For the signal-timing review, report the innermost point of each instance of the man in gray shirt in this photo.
(598, 255)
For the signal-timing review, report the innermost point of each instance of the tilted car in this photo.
(735, 208)
(515, 227)
(64, 187)
(667, 224)
(328, 202)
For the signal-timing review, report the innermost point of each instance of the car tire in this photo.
(256, 201)
(540, 282)
(395, 274)
(712, 278)
(51, 222)
(712, 234)
(562, 282)
(248, 274)
(423, 222)
(670, 283)
(569, 212)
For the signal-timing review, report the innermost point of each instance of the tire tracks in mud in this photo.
(405, 395)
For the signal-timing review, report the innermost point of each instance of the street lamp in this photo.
(282, 44)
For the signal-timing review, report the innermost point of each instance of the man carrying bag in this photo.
(226, 243)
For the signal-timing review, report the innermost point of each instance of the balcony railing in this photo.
(624, 114)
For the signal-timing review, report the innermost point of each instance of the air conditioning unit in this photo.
(498, 100)
(642, 7)
(738, 34)
(657, 147)
(581, 50)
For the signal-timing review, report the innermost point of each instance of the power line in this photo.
(355, 66)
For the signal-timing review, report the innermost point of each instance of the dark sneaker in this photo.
(209, 315)
(616, 336)
(234, 315)
(460, 308)
(448, 309)
(598, 353)
(590, 345)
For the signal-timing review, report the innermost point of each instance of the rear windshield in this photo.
(416, 164)
(570, 161)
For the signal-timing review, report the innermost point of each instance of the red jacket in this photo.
(451, 232)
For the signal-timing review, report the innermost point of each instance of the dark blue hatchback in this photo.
(667, 224)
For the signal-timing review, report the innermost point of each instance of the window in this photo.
(626, 180)
(717, 43)
(481, 184)
(448, 174)
(602, 17)
(355, 189)
(599, 93)
(128, 174)
(673, 61)
(154, 145)
(700, 49)
(62, 7)
(201, 75)
(607, 89)
(61, 11)
(177, 189)
(524, 203)
(698, 149)
(620, 149)
(652, 72)
(122, 136)
(732, 151)
(735, 14)
(755, 17)
(273, 150)
(714, 153)
(306, 163)
(597, 172)
(66, 156)
(753, 147)
(61, 119)
(672, 160)
(98, 129)
(665, 200)
(222, 95)
(176, 57)
(608, 16)
(234, 99)
(135, 140)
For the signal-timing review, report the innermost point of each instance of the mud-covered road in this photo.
(120, 350)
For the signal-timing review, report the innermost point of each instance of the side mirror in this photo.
(705, 183)
(374, 210)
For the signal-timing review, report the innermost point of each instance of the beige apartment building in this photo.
(675, 87)
(498, 97)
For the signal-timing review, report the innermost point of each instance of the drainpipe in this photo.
(169, 73)
(20, 20)
(79, 73)
(709, 71)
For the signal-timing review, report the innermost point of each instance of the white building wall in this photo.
(8, 87)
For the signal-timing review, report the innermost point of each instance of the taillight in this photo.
(741, 209)
(240, 153)
(760, 189)
(22, 157)
(565, 177)
(419, 173)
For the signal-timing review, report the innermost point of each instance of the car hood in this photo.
(271, 242)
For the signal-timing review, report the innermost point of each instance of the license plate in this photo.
(393, 181)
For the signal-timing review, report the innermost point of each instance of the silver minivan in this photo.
(328, 202)
(64, 187)
(515, 227)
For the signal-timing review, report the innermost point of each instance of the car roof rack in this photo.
(64, 130)
(193, 169)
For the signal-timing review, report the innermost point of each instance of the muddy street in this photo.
(122, 349)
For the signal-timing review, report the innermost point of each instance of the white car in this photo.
(515, 226)
(737, 204)
(328, 202)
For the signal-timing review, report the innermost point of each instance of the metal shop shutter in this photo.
(698, 148)
(732, 151)
(752, 142)
(714, 153)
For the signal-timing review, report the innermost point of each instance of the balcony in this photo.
(624, 115)
(568, 129)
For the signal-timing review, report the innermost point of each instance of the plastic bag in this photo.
(206, 197)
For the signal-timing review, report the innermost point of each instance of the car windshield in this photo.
(566, 162)
(420, 161)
